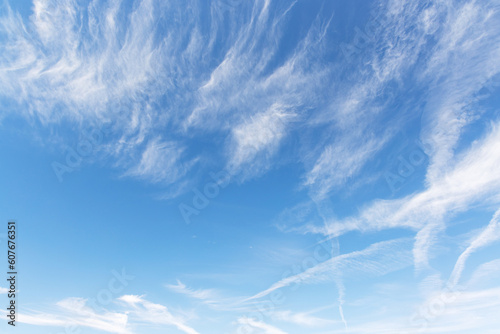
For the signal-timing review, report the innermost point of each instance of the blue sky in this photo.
(267, 166)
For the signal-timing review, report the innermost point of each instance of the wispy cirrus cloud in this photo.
(468, 35)
(485, 274)
(301, 318)
(341, 161)
(75, 312)
(77, 62)
(472, 180)
(488, 235)
(189, 84)
(260, 325)
(206, 295)
(260, 136)
(161, 162)
(59, 59)
(377, 259)
(152, 76)
(145, 311)
(131, 312)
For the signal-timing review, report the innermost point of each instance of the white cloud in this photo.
(469, 36)
(55, 63)
(70, 62)
(74, 312)
(377, 259)
(488, 235)
(265, 328)
(80, 63)
(207, 295)
(486, 273)
(262, 133)
(301, 318)
(473, 179)
(160, 162)
(340, 162)
(78, 312)
(461, 313)
(146, 311)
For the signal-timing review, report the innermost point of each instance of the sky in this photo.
(251, 167)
